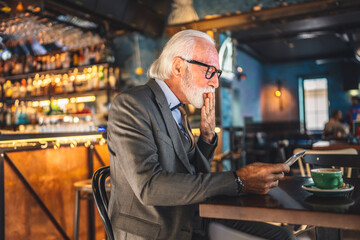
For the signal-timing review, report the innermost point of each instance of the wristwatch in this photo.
(239, 183)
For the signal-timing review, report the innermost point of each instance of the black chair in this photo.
(337, 160)
(101, 199)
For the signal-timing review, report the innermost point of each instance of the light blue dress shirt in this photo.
(172, 102)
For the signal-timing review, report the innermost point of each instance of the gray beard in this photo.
(193, 94)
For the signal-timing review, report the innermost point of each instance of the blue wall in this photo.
(247, 92)
(290, 73)
(124, 48)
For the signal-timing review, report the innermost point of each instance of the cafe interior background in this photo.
(286, 65)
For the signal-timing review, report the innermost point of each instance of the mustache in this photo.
(209, 90)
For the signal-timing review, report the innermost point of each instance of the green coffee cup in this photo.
(327, 178)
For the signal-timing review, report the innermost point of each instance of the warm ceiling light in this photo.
(277, 93)
(139, 71)
(257, 8)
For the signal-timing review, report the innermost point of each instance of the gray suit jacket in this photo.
(153, 187)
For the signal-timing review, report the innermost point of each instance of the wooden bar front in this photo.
(51, 173)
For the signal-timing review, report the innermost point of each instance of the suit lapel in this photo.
(170, 123)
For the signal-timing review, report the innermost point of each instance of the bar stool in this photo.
(83, 191)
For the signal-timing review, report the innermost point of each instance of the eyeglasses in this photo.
(211, 70)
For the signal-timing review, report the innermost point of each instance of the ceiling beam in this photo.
(254, 19)
(325, 24)
(250, 51)
(327, 56)
(59, 7)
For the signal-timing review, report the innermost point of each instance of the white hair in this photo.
(182, 44)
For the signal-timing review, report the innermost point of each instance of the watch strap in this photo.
(239, 183)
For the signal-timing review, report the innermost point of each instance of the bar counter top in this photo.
(24, 136)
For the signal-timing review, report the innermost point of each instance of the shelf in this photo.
(46, 136)
(57, 96)
(61, 116)
(55, 71)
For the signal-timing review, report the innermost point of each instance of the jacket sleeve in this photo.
(207, 149)
(131, 139)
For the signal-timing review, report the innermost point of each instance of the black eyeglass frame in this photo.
(218, 71)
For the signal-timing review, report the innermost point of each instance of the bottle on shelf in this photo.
(94, 77)
(8, 89)
(75, 59)
(92, 55)
(101, 74)
(8, 116)
(58, 64)
(86, 56)
(59, 88)
(22, 90)
(66, 60)
(81, 58)
(69, 88)
(36, 86)
(16, 113)
(112, 79)
(16, 90)
(29, 88)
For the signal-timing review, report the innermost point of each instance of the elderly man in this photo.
(158, 173)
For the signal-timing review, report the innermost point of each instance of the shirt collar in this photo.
(171, 99)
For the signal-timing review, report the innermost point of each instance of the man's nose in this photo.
(214, 81)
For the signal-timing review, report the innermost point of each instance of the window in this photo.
(315, 106)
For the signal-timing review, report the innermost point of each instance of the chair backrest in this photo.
(337, 160)
(348, 158)
(101, 199)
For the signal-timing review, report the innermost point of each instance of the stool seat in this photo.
(83, 185)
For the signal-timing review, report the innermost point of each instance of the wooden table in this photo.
(289, 203)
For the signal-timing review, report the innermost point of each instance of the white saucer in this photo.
(327, 192)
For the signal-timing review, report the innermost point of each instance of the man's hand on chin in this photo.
(207, 122)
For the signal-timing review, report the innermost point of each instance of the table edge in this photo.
(291, 216)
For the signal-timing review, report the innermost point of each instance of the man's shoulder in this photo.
(138, 92)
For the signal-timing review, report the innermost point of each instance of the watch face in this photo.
(239, 184)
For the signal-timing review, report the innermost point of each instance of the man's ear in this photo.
(177, 67)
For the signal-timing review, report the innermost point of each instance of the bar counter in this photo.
(37, 173)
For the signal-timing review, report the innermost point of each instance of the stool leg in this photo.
(76, 215)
